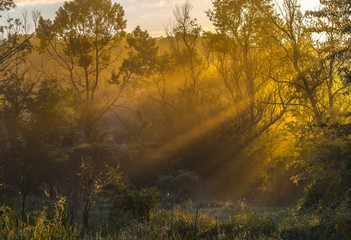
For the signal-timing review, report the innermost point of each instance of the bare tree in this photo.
(184, 37)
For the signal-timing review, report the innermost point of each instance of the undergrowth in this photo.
(179, 222)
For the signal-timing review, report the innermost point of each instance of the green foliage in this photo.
(180, 223)
(332, 225)
(56, 210)
(180, 186)
(331, 166)
(53, 117)
(134, 204)
(327, 200)
(18, 91)
(37, 225)
(7, 222)
(142, 58)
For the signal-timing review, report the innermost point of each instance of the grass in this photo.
(187, 221)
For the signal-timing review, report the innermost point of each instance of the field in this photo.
(188, 220)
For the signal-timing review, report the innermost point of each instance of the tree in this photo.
(142, 58)
(309, 75)
(14, 47)
(83, 41)
(316, 72)
(145, 64)
(240, 49)
(210, 127)
(16, 91)
(333, 21)
(323, 70)
(184, 38)
(14, 42)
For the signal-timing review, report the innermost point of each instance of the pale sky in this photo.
(152, 15)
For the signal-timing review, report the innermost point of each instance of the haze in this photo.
(152, 15)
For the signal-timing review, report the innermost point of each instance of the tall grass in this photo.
(189, 222)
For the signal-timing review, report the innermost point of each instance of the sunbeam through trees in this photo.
(241, 132)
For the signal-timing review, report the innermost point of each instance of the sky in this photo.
(152, 15)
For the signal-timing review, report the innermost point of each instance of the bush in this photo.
(331, 225)
(181, 186)
(134, 204)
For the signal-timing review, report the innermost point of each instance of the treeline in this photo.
(259, 107)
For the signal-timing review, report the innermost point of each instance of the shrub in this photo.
(181, 186)
(135, 204)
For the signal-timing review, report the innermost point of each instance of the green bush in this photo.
(134, 204)
(328, 225)
(180, 186)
